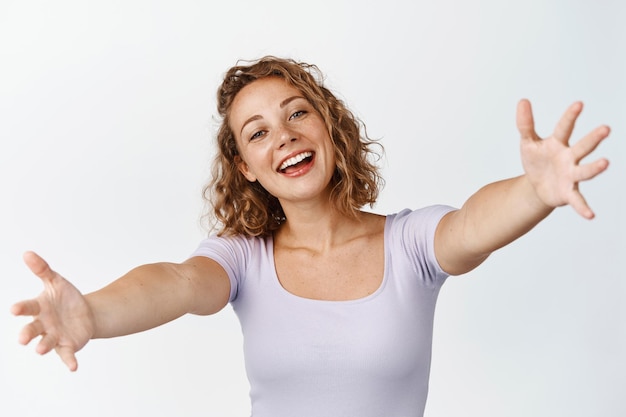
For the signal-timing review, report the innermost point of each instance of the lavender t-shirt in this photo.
(365, 357)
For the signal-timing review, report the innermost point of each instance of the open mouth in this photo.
(296, 162)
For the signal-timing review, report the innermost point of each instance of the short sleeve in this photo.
(413, 235)
(232, 253)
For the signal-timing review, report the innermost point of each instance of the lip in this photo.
(291, 155)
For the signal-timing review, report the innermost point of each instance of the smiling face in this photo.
(282, 140)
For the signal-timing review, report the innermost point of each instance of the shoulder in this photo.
(231, 241)
(234, 248)
(413, 231)
(425, 219)
(237, 255)
(410, 234)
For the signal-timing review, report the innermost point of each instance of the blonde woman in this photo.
(336, 304)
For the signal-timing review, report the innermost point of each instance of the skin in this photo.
(319, 253)
(272, 121)
(503, 211)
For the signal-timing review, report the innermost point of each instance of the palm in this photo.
(552, 165)
(61, 316)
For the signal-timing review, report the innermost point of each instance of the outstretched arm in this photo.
(146, 297)
(502, 211)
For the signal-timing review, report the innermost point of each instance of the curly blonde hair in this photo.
(242, 207)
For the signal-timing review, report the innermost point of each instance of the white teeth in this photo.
(295, 159)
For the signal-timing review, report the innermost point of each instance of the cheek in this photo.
(257, 159)
(257, 162)
(331, 153)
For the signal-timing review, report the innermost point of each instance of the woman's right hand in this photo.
(61, 315)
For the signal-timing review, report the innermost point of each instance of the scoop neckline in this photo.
(376, 293)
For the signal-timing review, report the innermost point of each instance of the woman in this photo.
(336, 304)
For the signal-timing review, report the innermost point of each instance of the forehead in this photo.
(263, 94)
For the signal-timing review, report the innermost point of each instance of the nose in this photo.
(285, 136)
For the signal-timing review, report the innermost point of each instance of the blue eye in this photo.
(257, 135)
(297, 114)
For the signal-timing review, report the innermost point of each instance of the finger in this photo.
(38, 266)
(26, 308)
(46, 344)
(565, 126)
(590, 142)
(579, 204)
(588, 171)
(525, 121)
(68, 357)
(29, 332)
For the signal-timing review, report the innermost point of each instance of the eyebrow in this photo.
(257, 116)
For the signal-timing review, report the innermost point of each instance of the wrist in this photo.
(533, 199)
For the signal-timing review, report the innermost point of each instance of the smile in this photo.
(294, 161)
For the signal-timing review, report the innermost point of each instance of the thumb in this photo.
(68, 357)
(38, 266)
(525, 120)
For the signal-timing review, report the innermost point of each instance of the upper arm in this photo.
(452, 250)
(210, 285)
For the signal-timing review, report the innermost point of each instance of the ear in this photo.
(244, 169)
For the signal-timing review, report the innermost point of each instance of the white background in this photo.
(106, 126)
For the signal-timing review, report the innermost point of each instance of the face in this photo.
(282, 140)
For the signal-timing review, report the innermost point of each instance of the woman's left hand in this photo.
(553, 166)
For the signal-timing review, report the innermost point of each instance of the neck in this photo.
(316, 225)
